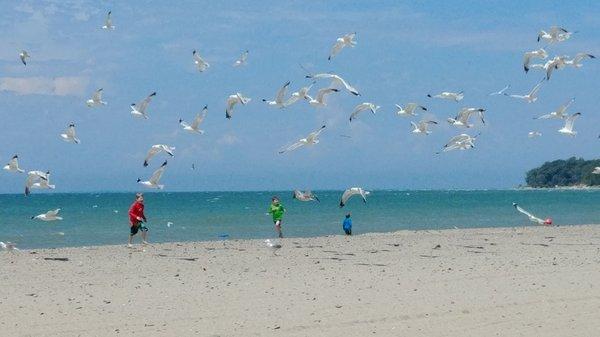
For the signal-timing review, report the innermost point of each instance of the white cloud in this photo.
(57, 86)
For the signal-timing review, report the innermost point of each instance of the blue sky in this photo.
(404, 51)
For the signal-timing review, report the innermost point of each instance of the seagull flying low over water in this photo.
(304, 196)
(280, 100)
(422, 127)
(13, 165)
(534, 134)
(232, 100)
(319, 101)
(335, 80)
(409, 109)
(362, 107)
(34, 177)
(108, 25)
(576, 61)
(311, 139)
(554, 35)
(501, 92)
(48, 216)
(242, 60)
(70, 136)
(462, 118)
(351, 192)
(559, 113)
(24, 56)
(451, 96)
(156, 149)
(460, 142)
(531, 96)
(96, 99)
(194, 127)
(540, 53)
(568, 128)
(139, 109)
(201, 65)
(344, 41)
(154, 180)
(532, 217)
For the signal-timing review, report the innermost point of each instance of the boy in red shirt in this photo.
(136, 219)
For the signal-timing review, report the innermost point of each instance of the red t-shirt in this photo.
(136, 211)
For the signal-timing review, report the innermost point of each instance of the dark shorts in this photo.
(139, 226)
(348, 231)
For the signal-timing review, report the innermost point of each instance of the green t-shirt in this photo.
(276, 211)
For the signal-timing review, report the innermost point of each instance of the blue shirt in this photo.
(347, 224)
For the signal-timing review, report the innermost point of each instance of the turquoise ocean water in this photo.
(100, 219)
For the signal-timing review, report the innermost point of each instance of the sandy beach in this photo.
(531, 281)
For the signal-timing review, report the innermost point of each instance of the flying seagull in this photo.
(460, 142)
(48, 216)
(194, 127)
(319, 101)
(156, 149)
(540, 53)
(534, 134)
(568, 128)
(96, 99)
(70, 136)
(362, 107)
(576, 61)
(43, 184)
(462, 118)
(559, 113)
(34, 177)
(199, 62)
(24, 56)
(108, 25)
(335, 80)
(531, 96)
(311, 139)
(532, 217)
(554, 35)
(232, 100)
(451, 96)
(242, 60)
(422, 127)
(139, 109)
(304, 196)
(344, 41)
(13, 165)
(501, 92)
(280, 100)
(153, 182)
(351, 192)
(409, 109)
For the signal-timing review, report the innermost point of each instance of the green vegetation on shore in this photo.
(570, 172)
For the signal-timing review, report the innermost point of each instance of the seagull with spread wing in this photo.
(139, 109)
(194, 127)
(344, 41)
(154, 180)
(311, 139)
(13, 165)
(532, 217)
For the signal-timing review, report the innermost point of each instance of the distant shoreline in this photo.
(573, 188)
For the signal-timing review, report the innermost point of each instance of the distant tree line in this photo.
(570, 172)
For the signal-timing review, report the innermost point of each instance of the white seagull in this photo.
(8, 246)
(311, 139)
(460, 142)
(532, 217)
(70, 136)
(540, 53)
(242, 60)
(462, 118)
(558, 62)
(409, 109)
(451, 96)
(576, 61)
(139, 109)
(156, 149)
(559, 113)
(344, 41)
(319, 101)
(555, 34)
(13, 165)
(48, 216)
(568, 128)
(194, 127)
(534, 134)
(96, 99)
(422, 127)
(108, 25)
(501, 92)
(280, 100)
(24, 56)
(336, 80)
(362, 107)
(43, 184)
(153, 182)
(304, 196)
(34, 177)
(232, 100)
(351, 192)
(531, 96)
(200, 63)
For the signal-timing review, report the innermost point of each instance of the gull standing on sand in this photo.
(194, 127)
(336, 80)
(13, 165)
(311, 139)
(232, 100)
(320, 100)
(351, 192)
(555, 34)
(422, 127)
(108, 25)
(568, 128)
(462, 118)
(344, 41)
(409, 109)
(540, 53)
(532, 217)
(139, 109)
(96, 99)
(70, 136)
(154, 180)
(576, 61)
(362, 107)
(34, 177)
(48, 216)
(156, 149)
(304, 196)
(531, 96)
(242, 60)
(451, 96)
(201, 65)
(460, 142)
(534, 134)
(280, 100)
(501, 92)
(559, 113)
(24, 56)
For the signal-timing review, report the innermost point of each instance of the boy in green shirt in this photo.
(276, 210)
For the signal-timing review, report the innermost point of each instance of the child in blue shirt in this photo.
(347, 225)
